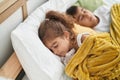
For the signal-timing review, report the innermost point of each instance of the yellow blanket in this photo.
(99, 56)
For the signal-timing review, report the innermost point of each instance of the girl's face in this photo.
(85, 17)
(59, 45)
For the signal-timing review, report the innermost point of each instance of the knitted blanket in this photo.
(98, 58)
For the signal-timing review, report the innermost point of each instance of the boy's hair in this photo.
(72, 10)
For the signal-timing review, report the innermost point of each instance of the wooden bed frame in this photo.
(12, 66)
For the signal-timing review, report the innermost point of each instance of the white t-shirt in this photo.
(69, 55)
(103, 13)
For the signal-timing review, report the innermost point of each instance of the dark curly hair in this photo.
(72, 10)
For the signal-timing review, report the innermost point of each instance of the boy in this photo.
(99, 20)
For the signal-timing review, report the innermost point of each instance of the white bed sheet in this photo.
(37, 61)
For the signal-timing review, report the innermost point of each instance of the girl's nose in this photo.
(56, 51)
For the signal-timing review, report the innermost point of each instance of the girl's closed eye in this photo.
(55, 45)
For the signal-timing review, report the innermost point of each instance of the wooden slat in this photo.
(4, 15)
(11, 68)
(24, 10)
(5, 4)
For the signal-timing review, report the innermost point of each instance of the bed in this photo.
(36, 60)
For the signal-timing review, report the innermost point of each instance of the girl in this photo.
(97, 58)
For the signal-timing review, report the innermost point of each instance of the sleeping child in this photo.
(99, 20)
(89, 56)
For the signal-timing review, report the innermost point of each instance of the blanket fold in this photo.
(98, 58)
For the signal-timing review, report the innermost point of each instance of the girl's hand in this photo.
(83, 37)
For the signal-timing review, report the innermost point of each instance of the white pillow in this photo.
(37, 61)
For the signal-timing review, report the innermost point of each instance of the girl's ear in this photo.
(67, 35)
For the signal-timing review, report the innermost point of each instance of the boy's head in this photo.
(83, 16)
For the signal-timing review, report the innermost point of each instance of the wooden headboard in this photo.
(8, 7)
(12, 67)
